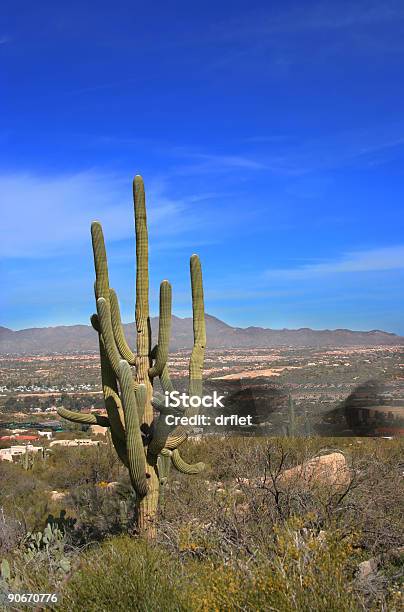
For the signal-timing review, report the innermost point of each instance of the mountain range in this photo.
(82, 338)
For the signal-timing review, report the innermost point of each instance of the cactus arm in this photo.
(159, 404)
(117, 329)
(142, 260)
(198, 312)
(183, 466)
(100, 261)
(136, 454)
(162, 429)
(143, 328)
(163, 466)
(112, 401)
(180, 433)
(109, 384)
(166, 380)
(86, 419)
(95, 323)
(113, 405)
(164, 330)
(104, 318)
(164, 375)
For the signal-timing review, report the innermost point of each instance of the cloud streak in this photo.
(46, 216)
(373, 260)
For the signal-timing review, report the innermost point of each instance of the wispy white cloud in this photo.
(285, 154)
(375, 145)
(206, 163)
(372, 260)
(320, 16)
(43, 216)
(277, 38)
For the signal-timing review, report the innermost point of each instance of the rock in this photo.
(395, 555)
(57, 495)
(112, 485)
(98, 430)
(322, 536)
(368, 569)
(331, 469)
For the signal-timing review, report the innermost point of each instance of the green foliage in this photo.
(5, 570)
(229, 539)
(299, 573)
(48, 545)
(5, 576)
(126, 574)
(39, 559)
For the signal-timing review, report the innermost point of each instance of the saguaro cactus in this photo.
(291, 427)
(143, 440)
(27, 459)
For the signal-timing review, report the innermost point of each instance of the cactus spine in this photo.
(144, 443)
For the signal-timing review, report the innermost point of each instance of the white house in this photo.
(45, 434)
(7, 454)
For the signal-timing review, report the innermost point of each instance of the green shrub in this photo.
(125, 574)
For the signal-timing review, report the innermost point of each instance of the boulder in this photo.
(57, 495)
(331, 469)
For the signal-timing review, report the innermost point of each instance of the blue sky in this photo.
(270, 136)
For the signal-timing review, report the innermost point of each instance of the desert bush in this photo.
(70, 467)
(11, 532)
(299, 573)
(97, 512)
(231, 538)
(126, 574)
(22, 497)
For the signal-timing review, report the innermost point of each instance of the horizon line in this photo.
(323, 329)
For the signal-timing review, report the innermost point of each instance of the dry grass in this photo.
(237, 537)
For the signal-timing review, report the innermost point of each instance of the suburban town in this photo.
(316, 381)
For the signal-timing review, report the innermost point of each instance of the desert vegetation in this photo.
(237, 537)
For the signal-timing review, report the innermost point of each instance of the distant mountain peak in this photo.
(82, 338)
